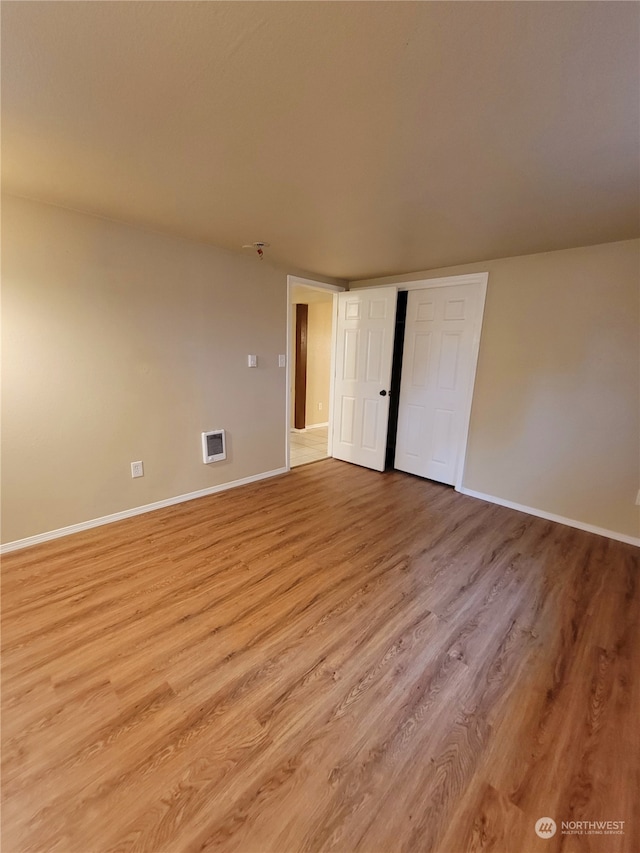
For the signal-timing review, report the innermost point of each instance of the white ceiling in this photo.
(358, 138)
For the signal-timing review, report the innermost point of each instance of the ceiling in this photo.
(358, 138)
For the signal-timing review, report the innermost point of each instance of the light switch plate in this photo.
(282, 361)
(252, 360)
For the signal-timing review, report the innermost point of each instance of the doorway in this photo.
(310, 335)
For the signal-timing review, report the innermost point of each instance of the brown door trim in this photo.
(300, 405)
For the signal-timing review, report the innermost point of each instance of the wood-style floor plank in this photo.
(333, 660)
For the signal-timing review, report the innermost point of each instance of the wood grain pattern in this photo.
(342, 661)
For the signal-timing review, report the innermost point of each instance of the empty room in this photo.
(320, 427)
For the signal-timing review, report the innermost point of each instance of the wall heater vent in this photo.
(214, 447)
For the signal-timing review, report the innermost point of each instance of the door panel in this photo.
(364, 350)
(449, 360)
(347, 419)
(420, 360)
(375, 355)
(437, 374)
(350, 362)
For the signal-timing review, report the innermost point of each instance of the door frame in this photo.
(481, 279)
(313, 285)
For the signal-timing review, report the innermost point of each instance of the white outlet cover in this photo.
(282, 361)
(252, 361)
(137, 469)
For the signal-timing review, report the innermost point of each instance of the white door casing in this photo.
(364, 352)
(334, 289)
(442, 333)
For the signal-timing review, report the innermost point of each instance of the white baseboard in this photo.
(223, 487)
(138, 510)
(549, 516)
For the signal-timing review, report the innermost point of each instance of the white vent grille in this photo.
(213, 446)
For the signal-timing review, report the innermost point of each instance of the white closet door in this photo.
(364, 352)
(438, 368)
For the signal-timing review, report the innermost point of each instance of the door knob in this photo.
(383, 393)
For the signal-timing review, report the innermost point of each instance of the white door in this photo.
(438, 368)
(364, 351)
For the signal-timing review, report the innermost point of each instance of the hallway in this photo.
(308, 446)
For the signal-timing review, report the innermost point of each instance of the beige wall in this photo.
(120, 345)
(555, 418)
(318, 361)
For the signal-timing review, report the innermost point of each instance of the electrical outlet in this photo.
(137, 470)
(319, 407)
(282, 361)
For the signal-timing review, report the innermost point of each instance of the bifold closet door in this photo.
(438, 368)
(364, 351)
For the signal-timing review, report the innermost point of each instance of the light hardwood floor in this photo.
(331, 660)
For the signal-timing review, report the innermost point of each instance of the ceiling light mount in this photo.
(258, 247)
